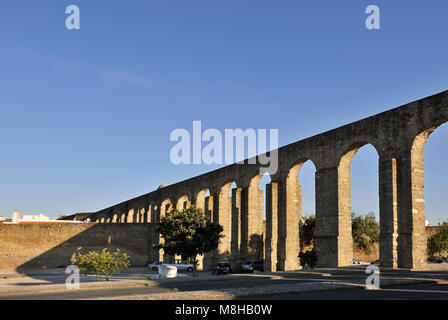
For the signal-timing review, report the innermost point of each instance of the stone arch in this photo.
(226, 210)
(290, 204)
(344, 203)
(183, 202)
(130, 216)
(204, 201)
(153, 213)
(165, 207)
(252, 223)
(412, 225)
(265, 180)
(147, 213)
(417, 161)
(140, 216)
(201, 196)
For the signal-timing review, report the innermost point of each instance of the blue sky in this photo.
(86, 115)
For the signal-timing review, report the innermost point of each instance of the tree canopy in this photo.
(102, 263)
(307, 231)
(365, 231)
(188, 233)
(438, 243)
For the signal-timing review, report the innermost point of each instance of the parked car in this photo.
(357, 261)
(437, 259)
(154, 266)
(179, 264)
(251, 266)
(222, 268)
(183, 265)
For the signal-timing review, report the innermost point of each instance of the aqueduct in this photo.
(399, 136)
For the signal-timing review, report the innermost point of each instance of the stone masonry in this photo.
(398, 135)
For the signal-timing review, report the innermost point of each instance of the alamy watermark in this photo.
(73, 21)
(373, 20)
(72, 282)
(227, 148)
(373, 280)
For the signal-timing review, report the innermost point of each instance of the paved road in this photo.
(166, 287)
(409, 292)
(344, 275)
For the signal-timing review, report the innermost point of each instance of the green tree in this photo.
(104, 263)
(438, 242)
(308, 231)
(189, 233)
(365, 232)
(308, 258)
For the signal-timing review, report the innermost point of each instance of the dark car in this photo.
(251, 266)
(436, 259)
(222, 268)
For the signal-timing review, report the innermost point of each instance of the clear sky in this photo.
(86, 115)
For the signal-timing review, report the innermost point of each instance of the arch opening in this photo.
(299, 190)
(434, 156)
(417, 254)
(363, 203)
(183, 202)
(205, 202)
(230, 205)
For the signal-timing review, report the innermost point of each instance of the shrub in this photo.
(438, 243)
(104, 263)
(366, 232)
(308, 231)
(308, 259)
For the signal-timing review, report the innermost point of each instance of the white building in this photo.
(39, 218)
(32, 218)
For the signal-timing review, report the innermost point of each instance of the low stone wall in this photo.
(53, 245)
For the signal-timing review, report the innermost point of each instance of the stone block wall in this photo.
(45, 245)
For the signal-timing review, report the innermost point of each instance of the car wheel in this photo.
(190, 269)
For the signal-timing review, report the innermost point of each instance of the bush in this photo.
(308, 231)
(366, 232)
(104, 263)
(438, 243)
(308, 259)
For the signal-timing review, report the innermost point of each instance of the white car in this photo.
(183, 265)
(154, 266)
(179, 264)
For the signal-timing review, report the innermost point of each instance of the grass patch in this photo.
(12, 276)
